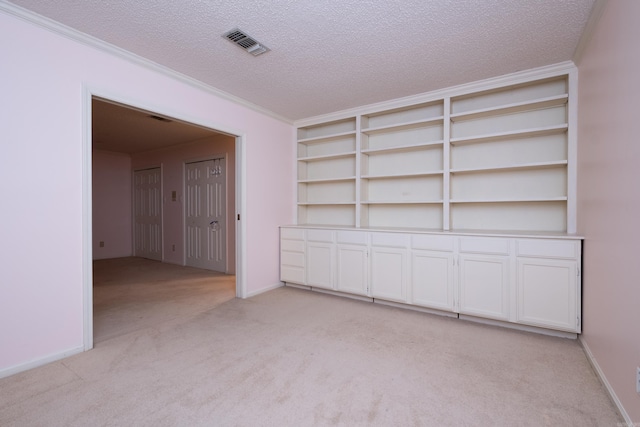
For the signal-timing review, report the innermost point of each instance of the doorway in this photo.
(92, 142)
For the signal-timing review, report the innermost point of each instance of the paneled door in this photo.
(147, 208)
(205, 214)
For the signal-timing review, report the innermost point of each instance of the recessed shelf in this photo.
(325, 203)
(325, 138)
(327, 157)
(522, 200)
(547, 102)
(404, 125)
(402, 148)
(400, 176)
(318, 180)
(526, 166)
(402, 202)
(525, 133)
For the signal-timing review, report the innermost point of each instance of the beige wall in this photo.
(609, 197)
(111, 204)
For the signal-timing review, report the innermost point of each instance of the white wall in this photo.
(43, 76)
(111, 205)
(609, 197)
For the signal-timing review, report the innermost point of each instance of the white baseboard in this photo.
(39, 362)
(295, 285)
(519, 327)
(416, 308)
(342, 294)
(603, 378)
(263, 290)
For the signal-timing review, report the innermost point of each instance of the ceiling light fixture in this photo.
(246, 42)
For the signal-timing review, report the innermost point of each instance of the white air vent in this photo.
(245, 41)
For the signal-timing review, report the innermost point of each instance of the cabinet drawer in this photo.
(320, 236)
(390, 239)
(294, 259)
(292, 245)
(433, 243)
(548, 248)
(485, 245)
(352, 237)
(292, 233)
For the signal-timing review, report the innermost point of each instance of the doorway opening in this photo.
(122, 140)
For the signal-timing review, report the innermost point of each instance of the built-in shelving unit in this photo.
(327, 173)
(498, 157)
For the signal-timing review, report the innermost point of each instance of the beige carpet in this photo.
(291, 357)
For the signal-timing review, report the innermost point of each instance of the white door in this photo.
(147, 207)
(205, 215)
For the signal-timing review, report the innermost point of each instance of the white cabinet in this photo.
(484, 286)
(432, 282)
(548, 285)
(528, 281)
(320, 263)
(353, 262)
(292, 256)
(389, 266)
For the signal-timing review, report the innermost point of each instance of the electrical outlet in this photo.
(173, 248)
(101, 244)
(638, 379)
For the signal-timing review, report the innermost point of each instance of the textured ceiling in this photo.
(331, 55)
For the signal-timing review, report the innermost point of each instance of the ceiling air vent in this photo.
(245, 41)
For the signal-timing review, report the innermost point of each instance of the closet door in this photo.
(147, 212)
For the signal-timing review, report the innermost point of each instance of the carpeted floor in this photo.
(291, 357)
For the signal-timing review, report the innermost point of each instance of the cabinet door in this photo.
(352, 269)
(484, 286)
(547, 293)
(320, 265)
(389, 273)
(432, 279)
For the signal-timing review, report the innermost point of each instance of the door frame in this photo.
(184, 207)
(88, 93)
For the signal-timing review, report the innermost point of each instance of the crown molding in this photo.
(93, 42)
(463, 89)
(594, 17)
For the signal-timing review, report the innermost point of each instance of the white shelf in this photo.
(403, 148)
(320, 180)
(525, 166)
(521, 200)
(524, 133)
(500, 157)
(324, 138)
(327, 157)
(400, 176)
(404, 125)
(547, 102)
(402, 202)
(326, 203)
